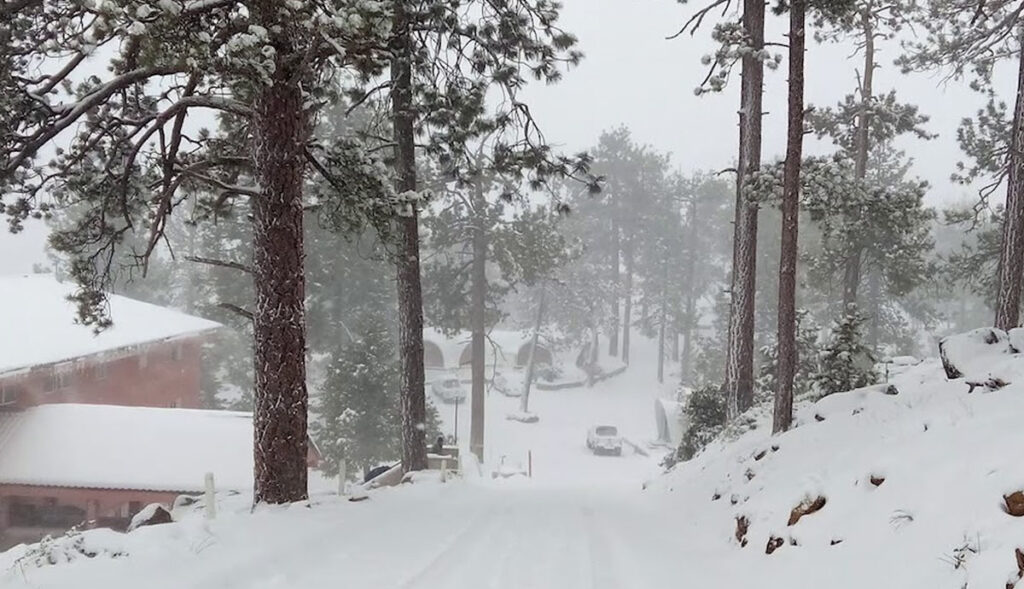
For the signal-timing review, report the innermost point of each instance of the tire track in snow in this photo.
(455, 556)
(604, 565)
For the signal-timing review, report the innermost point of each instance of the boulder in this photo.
(992, 383)
(774, 543)
(1014, 503)
(965, 352)
(806, 507)
(742, 527)
(151, 515)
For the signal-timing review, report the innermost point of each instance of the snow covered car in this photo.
(604, 439)
(449, 390)
(501, 384)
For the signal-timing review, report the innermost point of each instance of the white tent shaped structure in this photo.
(670, 420)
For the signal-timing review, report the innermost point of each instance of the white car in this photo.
(449, 390)
(604, 439)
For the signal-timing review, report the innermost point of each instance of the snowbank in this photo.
(912, 485)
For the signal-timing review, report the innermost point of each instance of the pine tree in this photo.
(136, 148)
(358, 413)
(787, 353)
(450, 59)
(358, 402)
(486, 239)
(845, 363)
(807, 353)
(741, 41)
(967, 39)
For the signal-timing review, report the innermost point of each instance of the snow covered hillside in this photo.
(900, 490)
(909, 488)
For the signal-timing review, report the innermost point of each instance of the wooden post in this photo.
(444, 470)
(529, 463)
(211, 506)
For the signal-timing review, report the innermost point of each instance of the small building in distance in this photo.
(504, 350)
(69, 464)
(150, 357)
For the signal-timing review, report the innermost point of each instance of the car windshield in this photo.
(451, 383)
(606, 430)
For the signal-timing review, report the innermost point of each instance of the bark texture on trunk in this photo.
(478, 327)
(783, 414)
(628, 296)
(854, 261)
(1011, 254)
(613, 337)
(739, 367)
(524, 399)
(282, 127)
(410, 293)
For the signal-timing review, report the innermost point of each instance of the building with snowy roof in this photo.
(504, 349)
(151, 356)
(66, 464)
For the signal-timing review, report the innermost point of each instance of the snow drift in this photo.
(907, 489)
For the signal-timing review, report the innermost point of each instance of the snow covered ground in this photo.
(936, 520)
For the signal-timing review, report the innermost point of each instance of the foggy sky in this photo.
(632, 75)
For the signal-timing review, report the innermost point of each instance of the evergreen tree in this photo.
(358, 413)
(357, 406)
(137, 147)
(807, 352)
(967, 39)
(845, 363)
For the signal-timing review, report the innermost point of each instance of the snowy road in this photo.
(530, 538)
(464, 535)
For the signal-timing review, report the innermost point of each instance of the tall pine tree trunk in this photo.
(675, 335)
(854, 260)
(282, 127)
(783, 415)
(875, 297)
(690, 309)
(663, 319)
(613, 337)
(407, 256)
(628, 295)
(524, 399)
(478, 298)
(686, 361)
(739, 366)
(1011, 254)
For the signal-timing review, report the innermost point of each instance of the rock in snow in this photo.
(969, 352)
(151, 515)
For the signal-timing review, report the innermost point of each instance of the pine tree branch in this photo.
(237, 310)
(74, 112)
(219, 263)
(698, 18)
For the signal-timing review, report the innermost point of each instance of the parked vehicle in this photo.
(604, 439)
(449, 390)
(500, 384)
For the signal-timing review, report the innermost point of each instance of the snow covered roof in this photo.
(40, 327)
(114, 447)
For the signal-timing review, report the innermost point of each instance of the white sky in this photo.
(632, 75)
